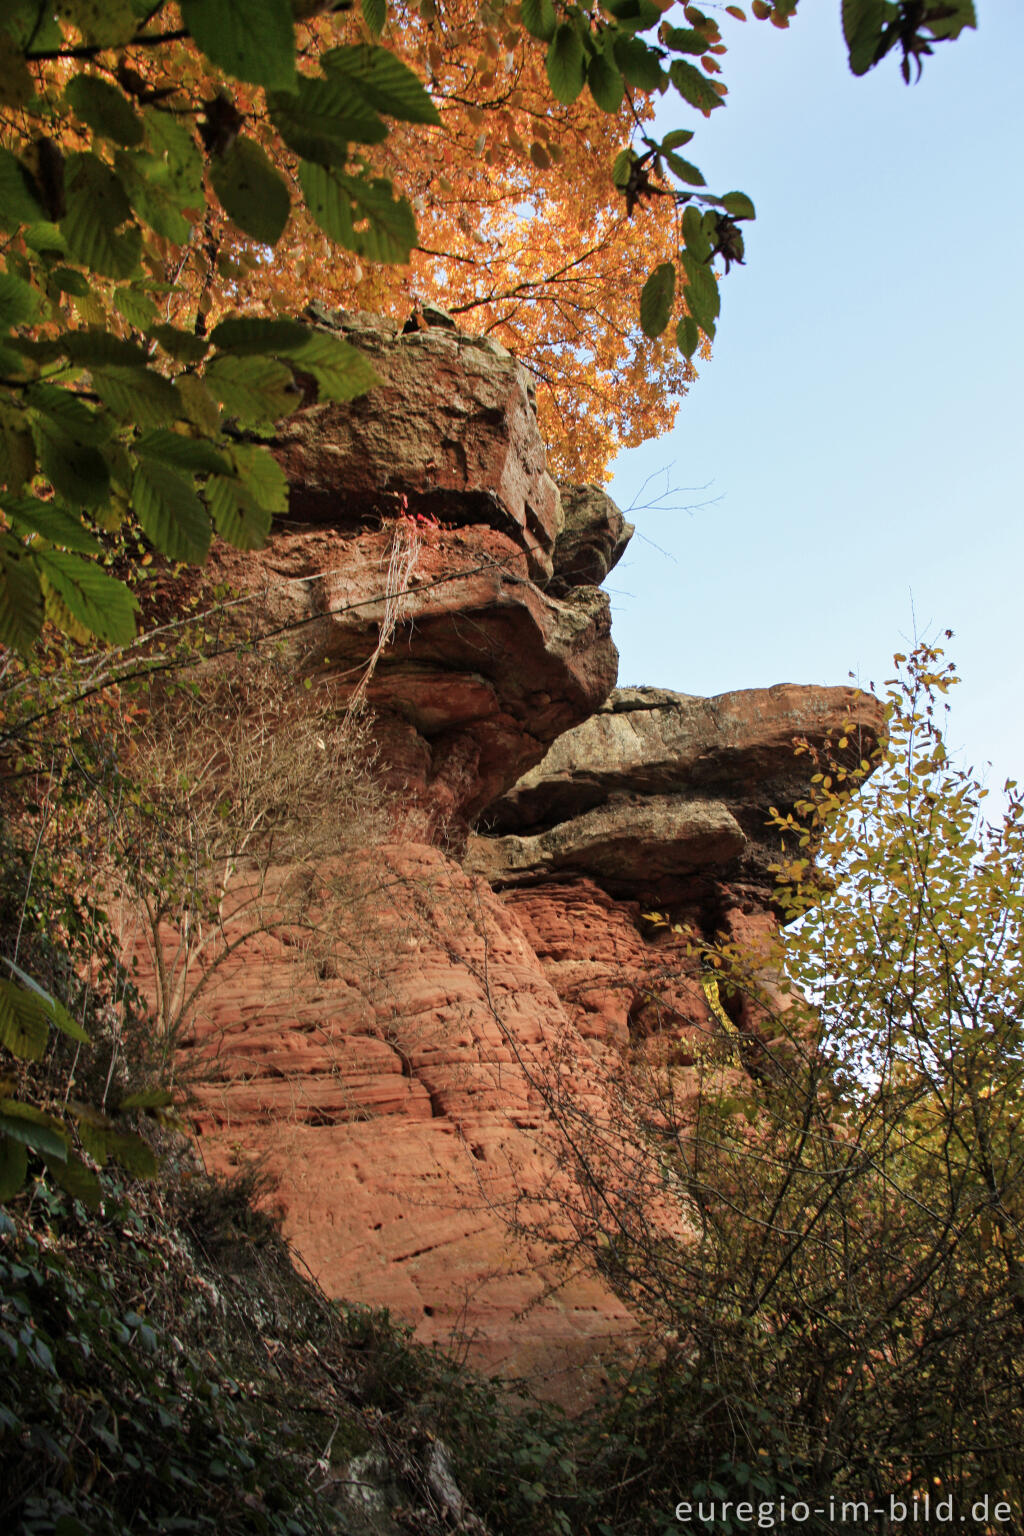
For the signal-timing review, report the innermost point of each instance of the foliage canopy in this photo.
(161, 169)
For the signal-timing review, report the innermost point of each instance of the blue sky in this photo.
(862, 420)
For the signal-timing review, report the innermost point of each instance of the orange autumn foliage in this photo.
(522, 234)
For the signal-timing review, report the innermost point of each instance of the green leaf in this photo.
(107, 22)
(251, 335)
(17, 449)
(566, 63)
(863, 21)
(33, 1128)
(133, 1153)
(136, 307)
(67, 280)
(339, 203)
(677, 138)
(375, 14)
(236, 515)
(686, 40)
(251, 192)
(683, 169)
(633, 15)
(539, 19)
(96, 347)
(657, 299)
(105, 109)
(170, 512)
(76, 470)
(101, 604)
(605, 83)
(183, 346)
(50, 521)
(688, 336)
(18, 202)
(79, 1181)
(702, 296)
(321, 118)
(383, 81)
(622, 166)
(639, 63)
(139, 395)
(341, 371)
(201, 408)
(180, 452)
(261, 475)
(54, 1007)
(67, 412)
(694, 86)
(97, 205)
(13, 1167)
(24, 1021)
(21, 598)
(947, 27)
(252, 40)
(737, 204)
(147, 1098)
(256, 390)
(19, 302)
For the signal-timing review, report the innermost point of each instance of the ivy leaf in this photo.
(657, 299)
(251, 192)
(101, 604)
(605, 82)
(21, 597)
(256, 390)
(566, 64)
(383, 81)
(105, 109)
(694, 86)
(253, 40)
(97, 205)
(170, 512)
(321, 118)
(539, 19)
(236, 514)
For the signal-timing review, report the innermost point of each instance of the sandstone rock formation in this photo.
(492, 960)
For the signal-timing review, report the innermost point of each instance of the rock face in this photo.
(491, 963)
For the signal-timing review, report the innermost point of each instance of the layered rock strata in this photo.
(403, 1080)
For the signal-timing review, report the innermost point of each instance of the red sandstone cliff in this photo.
(399, 1091)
